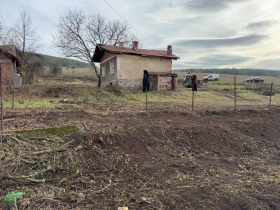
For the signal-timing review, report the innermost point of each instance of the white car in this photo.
(212, 77)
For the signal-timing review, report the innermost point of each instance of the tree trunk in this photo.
(97, 74)
(99, 80)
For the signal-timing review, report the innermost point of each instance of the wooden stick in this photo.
(146, 183)
(270, 95)
(146, 101)
(23, 178)
(1, 98)
(13, 100)
(20, 141)
(48, 151)
(192, 100)
(235, 93)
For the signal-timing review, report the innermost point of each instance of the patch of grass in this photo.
(181, 96)
(252, 95)
(30, 103)
(182, 177)
(47, 131)
(208, 96)
(222, 86)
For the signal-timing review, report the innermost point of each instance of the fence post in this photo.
(146, 101)
(235, 93)
(13, 100)
(1, 97)
(192, 100)
(270, 95)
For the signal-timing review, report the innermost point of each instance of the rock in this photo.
(81, 198)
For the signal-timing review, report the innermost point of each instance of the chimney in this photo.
(121, 44)
(135, 45)
(169, 50)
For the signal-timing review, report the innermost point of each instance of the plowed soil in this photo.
(166, 158)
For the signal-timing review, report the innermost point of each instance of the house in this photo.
(9, 65)
(123, 66)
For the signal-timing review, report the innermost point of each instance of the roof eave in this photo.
(99, 52)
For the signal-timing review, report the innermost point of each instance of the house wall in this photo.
(109, 76)
(130, 68)
(7, 68)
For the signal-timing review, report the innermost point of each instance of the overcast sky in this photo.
(203, 33)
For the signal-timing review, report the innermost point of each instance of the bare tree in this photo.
(1, 31)
(78, 34)
(26, 40)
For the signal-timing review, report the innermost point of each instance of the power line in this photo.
(129, 24)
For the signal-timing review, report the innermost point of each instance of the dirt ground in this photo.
(120, 155)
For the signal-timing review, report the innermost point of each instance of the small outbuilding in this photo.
(9, 65)
(124, 66)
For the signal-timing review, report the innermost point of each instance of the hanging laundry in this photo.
(146, 81)
(194, 83)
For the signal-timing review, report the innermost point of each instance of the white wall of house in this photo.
(131, 67)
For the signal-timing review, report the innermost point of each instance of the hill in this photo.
(234, 71)
(62, 62)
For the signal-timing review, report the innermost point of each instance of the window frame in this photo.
(112, 67)
(103, 71)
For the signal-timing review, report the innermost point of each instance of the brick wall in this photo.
(7, 71)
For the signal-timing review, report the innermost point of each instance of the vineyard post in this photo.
(192, 100)
(235, 93)
(1, 97)
(270, 95)
(146, 101)
(13, 99)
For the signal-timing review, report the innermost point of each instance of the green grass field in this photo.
(79, 88)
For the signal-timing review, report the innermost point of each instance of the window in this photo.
(103, 71)
(112, 67)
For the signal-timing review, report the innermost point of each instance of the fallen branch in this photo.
(22, 178)
(48, 151)
(20, 141)
(182, 187)
(104, 188)
(38, 138)
(146, 183)
(86, 127)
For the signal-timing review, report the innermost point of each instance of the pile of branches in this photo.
(23, 160)
(27, 161)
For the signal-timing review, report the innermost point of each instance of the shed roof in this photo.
(100, 49)
(10, 51)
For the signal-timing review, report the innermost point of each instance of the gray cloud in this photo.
(207, 5)
(261, 24)
(218, 60)
(221, 60)
(220, 23)
(220, 42)
(269, 64)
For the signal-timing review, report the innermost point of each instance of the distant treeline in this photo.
(234, 71)
(61, 62)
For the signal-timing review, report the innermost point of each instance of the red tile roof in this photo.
(99, 51)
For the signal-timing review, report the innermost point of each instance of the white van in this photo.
(212, 77)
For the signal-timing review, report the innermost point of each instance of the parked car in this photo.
(212, 77)
(255, 80)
